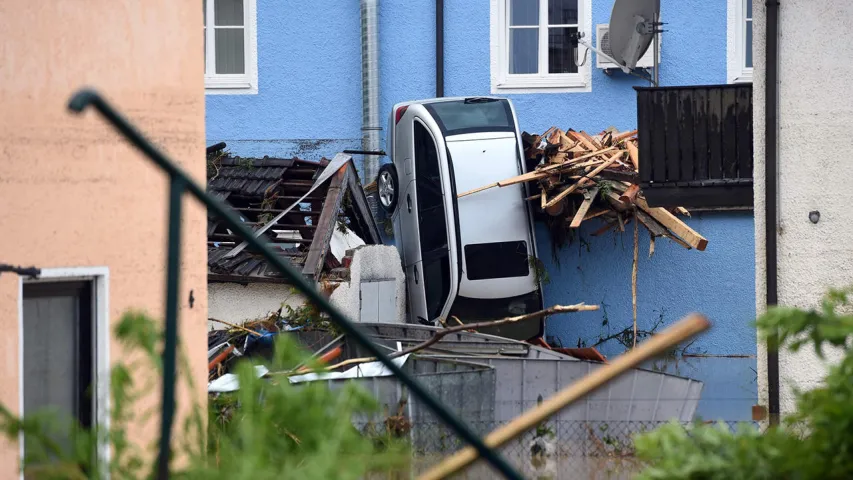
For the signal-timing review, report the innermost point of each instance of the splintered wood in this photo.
(578, 173)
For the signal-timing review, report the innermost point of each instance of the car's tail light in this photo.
(399, 114)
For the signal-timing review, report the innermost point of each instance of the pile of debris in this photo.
(581, 177)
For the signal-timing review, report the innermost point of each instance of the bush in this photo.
(816, 442)
(267, 429)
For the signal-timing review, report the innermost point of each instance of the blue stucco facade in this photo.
(309, 105)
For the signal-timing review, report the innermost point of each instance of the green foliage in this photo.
(267, 429)
(814, 443)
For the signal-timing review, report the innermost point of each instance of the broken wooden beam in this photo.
(589, 197)
(676, 226)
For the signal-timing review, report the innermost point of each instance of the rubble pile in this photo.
(580, 177)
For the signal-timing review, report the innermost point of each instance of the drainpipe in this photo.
(771, 196)
(370, 127)
(439, 48)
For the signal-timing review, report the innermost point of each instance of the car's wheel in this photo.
(388, 187)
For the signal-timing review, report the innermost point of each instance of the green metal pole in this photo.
(177, 185)
(85, 98)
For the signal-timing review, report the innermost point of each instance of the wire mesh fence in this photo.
(554, 450)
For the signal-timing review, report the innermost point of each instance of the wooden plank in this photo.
(729, 133)
(589, 197)
(326, 225)
(715, 133)
(744, 132)
(622, 136)
(655, 228)
(688, 126)
(598, 213)
(673, 138)
(595, 143)
(645, 127)
(584, 181)
(584, 140)
(700, 137)
(360, 205)
(536, 175)
(674, 225)
(634, 155)
(659, 129)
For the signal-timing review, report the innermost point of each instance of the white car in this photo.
(466, 257)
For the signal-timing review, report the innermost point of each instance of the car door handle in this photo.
(409, 202)
(416, 274)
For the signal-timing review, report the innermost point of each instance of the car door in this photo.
(431, 275)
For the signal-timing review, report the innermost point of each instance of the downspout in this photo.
(370, 127)
(771, 196)
(439, 48)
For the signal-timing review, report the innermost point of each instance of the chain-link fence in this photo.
(554, 450)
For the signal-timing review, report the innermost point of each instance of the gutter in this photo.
(771, 175)
(439, 48)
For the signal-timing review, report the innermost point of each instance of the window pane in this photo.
(459, 116)
(563, 12)
(229, 50)
(749, 9)
(524, 12)
(524, 50)
(749, 44)
(561, 52)
(496, 260)
(228, 12)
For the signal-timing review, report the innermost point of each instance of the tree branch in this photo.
(474, 326)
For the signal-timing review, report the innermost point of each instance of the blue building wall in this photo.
(309, 105)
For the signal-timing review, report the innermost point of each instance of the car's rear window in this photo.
(496, 260)
(472, 115)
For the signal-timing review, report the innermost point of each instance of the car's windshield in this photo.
(477, 114)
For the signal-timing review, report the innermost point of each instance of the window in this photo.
(484, 261)
(58, 360)
(230, 46)
(739, 50)
(534, 47)
(432, 222)
(472, 115)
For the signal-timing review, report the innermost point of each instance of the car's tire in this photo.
(388, 187)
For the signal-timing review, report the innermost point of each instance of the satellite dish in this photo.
(632, 29)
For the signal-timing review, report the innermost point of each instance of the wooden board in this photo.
(589, 197)
(700, 138)
(676, 226)
(673, 145)
(715, 133)
(730, 132)
(686, 119)
(658, 154)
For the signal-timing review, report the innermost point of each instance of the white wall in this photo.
(815, 112)
(237, 303)
(371, 262)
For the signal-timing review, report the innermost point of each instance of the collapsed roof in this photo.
(309, 225)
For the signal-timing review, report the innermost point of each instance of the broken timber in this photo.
(603, 169)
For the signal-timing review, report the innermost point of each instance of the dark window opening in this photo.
(472, 115)
(59, 354)
(432, 222)
(496, 260)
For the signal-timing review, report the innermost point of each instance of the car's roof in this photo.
(443, 99)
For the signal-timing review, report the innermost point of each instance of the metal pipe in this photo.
(177, 185)
(370, 126)
(439, 48)
(771, 90)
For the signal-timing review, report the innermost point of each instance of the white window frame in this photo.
(737, 71)
(100, 278)
(504, 82)
(231, 84)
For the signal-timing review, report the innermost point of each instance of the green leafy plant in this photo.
(813, 443)
(267, 429)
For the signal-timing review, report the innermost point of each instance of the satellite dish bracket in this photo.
(599, 52)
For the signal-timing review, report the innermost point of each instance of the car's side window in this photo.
(432, 222)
